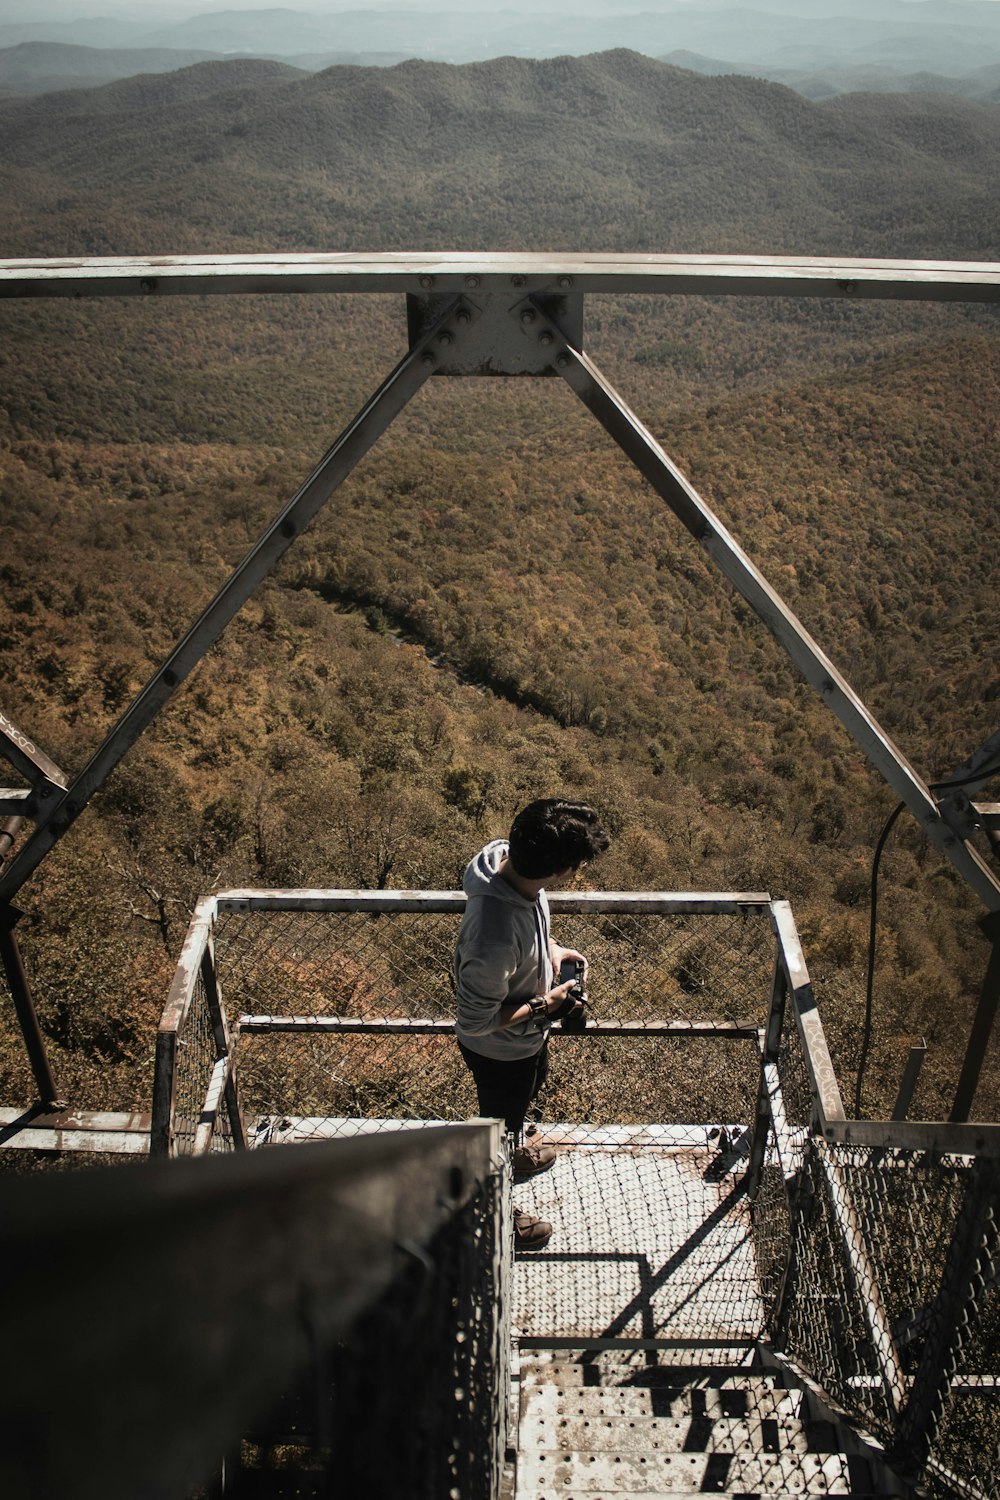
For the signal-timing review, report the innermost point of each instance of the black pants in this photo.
(506, 1089)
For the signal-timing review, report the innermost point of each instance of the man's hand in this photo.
(559, 954)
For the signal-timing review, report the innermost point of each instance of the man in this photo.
(505, 962)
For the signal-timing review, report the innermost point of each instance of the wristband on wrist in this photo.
(539, 1011)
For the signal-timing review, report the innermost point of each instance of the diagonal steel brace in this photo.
(639, 445)
(351, 446)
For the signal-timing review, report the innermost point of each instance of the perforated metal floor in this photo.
(651, 1241)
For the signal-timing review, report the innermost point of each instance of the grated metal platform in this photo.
(651, 1242)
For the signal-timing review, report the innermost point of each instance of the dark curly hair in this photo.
(553, 834)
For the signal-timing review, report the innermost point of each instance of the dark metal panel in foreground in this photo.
(169, 1336)
(419, 273)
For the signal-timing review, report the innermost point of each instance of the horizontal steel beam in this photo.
(420, 272)
(577, 903)
(935, 1137)
(405, 1026)
(106, 1131)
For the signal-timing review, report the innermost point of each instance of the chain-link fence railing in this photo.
(877, 1250)
(345, 1008)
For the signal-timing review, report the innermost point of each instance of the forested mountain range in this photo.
(589, 153)
(495, 607)
(52, 67)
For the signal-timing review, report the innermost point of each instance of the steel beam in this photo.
(25, 756)
(353, 443)
(979, 1036)
(419, 272)
(639, 445)
(24, 1007)
(575, 903)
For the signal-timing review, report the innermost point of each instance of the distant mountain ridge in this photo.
(941, 36)
(47, 67)
(982, 83)
(617, 150)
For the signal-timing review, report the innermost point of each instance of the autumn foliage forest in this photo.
(494, 606)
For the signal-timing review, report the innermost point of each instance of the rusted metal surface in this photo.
(419, 273)
(105, 1131)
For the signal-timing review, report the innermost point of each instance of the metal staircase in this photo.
(672, 1388)
(655, 1431)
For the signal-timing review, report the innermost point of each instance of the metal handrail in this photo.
(197, 961)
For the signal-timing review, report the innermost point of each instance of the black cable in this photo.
(946, 786)
(866, 1035)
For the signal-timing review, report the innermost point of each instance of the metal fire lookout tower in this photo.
(774, 1299)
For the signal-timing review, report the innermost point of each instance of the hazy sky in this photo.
(153, 11)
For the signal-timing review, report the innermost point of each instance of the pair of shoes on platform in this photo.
(531, 1159)
(530, 1233)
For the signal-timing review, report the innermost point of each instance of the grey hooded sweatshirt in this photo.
(502, 954)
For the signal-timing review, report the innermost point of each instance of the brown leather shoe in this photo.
(530, 1233)
(530, 1160)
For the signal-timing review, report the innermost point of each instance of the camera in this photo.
(573, 1014)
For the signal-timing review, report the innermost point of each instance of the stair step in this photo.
(643, 1434)
(794, 1474)
(592, 1374)
(673, 1402)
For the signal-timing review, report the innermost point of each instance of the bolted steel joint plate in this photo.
(511, 335)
